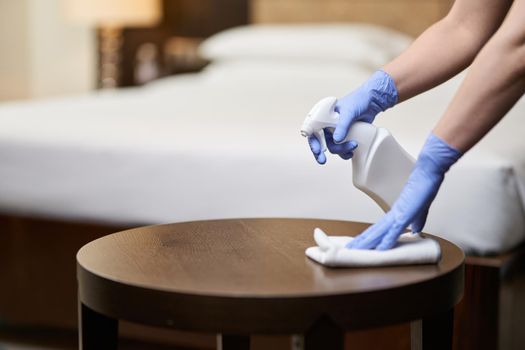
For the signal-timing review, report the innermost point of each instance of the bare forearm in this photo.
(431, 60)
(495, 82)
(447, 47)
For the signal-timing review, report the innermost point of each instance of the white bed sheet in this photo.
(225, 143)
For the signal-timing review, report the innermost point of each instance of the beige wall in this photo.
(14, 49)
(63, 56)
(42, 53)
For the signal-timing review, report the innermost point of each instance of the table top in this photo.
(254, 263)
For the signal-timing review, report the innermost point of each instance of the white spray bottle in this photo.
(380, 165)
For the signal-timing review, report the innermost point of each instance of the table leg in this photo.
(324, 335)
(233, 342)
(433, 333)
(416, 335)
(96, 331)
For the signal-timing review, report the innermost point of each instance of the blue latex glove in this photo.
(377, 94)
(345, 150)
(412, 205)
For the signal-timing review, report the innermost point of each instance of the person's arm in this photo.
(442, 51)
(447, 47)
(494, 83)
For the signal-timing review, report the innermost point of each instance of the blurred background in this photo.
(55, 47)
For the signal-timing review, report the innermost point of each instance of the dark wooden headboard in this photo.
(408, 16)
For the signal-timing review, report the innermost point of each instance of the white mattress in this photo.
(225, 143)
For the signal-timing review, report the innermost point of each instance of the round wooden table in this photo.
(251, 276)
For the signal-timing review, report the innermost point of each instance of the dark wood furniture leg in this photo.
(234, 342)
(433, 333)
(324, 335)
(96, 331)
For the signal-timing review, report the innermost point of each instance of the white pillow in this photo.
(363, 44)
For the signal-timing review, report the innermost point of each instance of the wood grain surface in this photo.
(408, 16)
(251, 276)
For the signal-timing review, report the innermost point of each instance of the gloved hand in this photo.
(412, 205)
(377, 94)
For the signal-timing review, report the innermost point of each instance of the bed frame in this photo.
(37, 256)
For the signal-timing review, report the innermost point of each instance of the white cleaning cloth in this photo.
(411, 249)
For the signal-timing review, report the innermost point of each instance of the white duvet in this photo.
(225, 143)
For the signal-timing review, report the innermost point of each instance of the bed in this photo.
(225, 143)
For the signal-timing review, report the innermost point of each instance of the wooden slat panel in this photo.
(409, 16)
